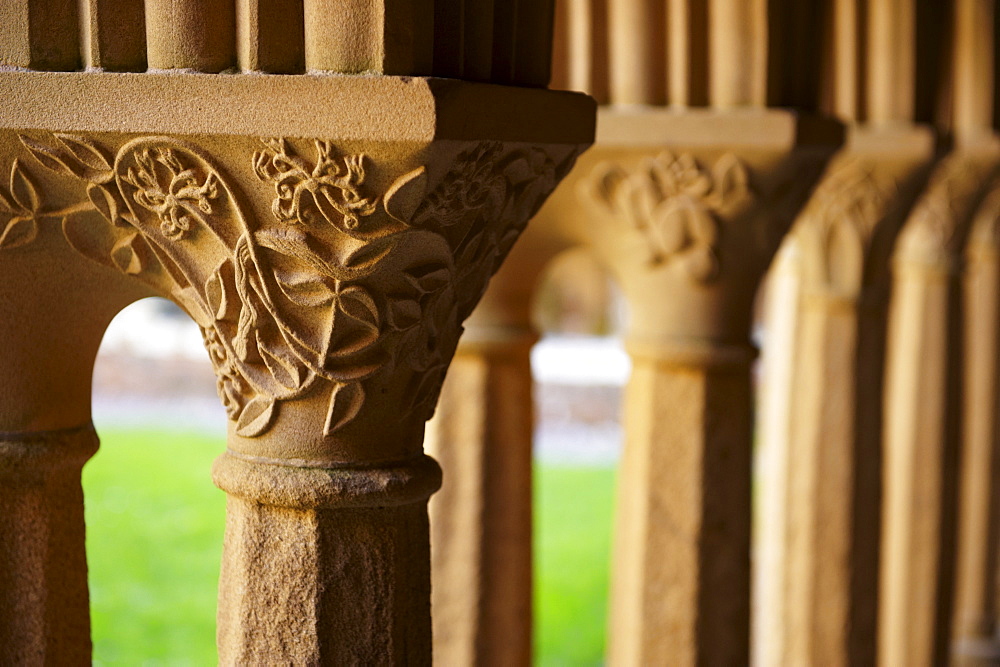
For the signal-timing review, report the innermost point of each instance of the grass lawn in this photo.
(154, 538)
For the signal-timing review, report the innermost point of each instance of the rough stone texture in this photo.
(44, 605)
(481, 518)
(680, 593)
(297, 540)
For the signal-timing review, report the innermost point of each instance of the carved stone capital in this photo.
(687, 216)
(329, 277)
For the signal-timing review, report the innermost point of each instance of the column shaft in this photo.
(975, 621)
(680, 588)
(325, 566)
(44, 603)
(481, 518)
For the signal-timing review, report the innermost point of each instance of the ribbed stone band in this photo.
(276, 484)
(31, 456)
(693, 354)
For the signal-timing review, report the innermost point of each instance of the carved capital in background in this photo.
(686, 217)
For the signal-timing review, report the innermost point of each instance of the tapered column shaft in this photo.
(680, 591)
(918, 473)
(44, 606)
(738, 57)
(354, 36)
(40, 34)
(891, 51)
(636, 55)
(481, 518)
(921, 428)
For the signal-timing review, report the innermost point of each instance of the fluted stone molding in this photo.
(820, 606)
(975, 616)
(329, 266)
(686, 214)
(921, 418)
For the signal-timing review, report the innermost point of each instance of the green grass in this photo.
(573, 508)
(154, 539)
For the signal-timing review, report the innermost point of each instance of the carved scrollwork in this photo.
(675, 203)
(340, 285)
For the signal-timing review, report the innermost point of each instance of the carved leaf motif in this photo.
(284, 366)
(731, 179)
(18, 232)
(346, 401)
(75, 157)
(22, 189)
(131, 254)
(256, 417)
(305, 290)
(356, 322)
(296, 243)
(105, 202)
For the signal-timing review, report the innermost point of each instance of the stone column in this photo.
(481, 520)
(829, 540)
(329, 276)
(921, 416)
(975, 623)
(44, 603)
(687, 226)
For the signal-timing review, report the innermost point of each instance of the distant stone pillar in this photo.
(481, 519)
(922, 417)
(829, 533)
(688, 234)
(978, 566)
(44, 603)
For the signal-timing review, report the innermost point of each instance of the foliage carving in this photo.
(340, 285)
(674, 203)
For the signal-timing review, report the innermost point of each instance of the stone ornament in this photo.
(343, 286)
(674, 202)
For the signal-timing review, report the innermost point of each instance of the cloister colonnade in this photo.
(327, 187)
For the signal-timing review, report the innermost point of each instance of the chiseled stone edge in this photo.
(281, 485)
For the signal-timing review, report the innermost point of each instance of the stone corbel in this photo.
(686, 209)
(329, 272)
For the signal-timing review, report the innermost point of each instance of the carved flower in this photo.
(306, 194)
(165, 187)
